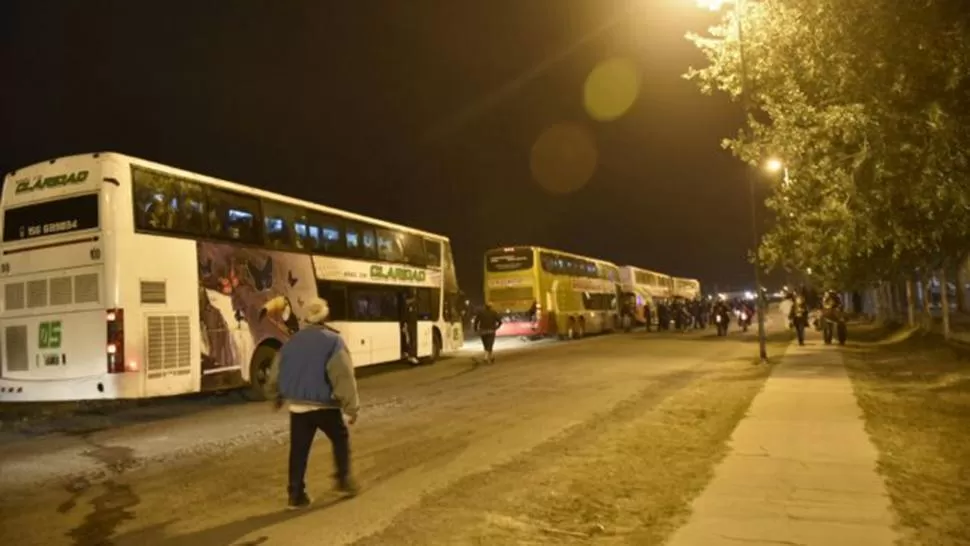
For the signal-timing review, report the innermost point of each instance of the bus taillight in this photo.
(115, 348)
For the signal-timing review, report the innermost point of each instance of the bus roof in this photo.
(635, 268)
(564, 253)
(236, 187)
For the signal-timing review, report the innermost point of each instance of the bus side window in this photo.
(155, 200)
(236, 217)
(389, 246)
(331, 239)
(413, 250)
(336, 295)
(192, 208)
(432, 250)
(279, 220)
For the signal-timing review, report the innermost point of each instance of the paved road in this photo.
(212, 474)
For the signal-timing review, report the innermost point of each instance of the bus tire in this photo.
(570, 332)
(262, 374)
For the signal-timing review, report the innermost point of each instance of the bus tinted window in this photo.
(234, 216)
(373, 303)
(389, 246)
(413, 249)
(336, 295)
(167, 203)
(48, 218)
(432, 250)
(279, 224)
(515, 259)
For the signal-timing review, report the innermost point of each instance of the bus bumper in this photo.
(100, 387)
(520, 329)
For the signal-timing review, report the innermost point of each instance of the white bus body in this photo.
(130, 279)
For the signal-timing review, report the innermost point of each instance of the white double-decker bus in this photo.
(642, 289)
(124, 278)
(688, 289)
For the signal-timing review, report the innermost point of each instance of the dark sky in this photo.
(418, 112)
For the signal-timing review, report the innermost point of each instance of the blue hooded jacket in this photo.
(303, 365)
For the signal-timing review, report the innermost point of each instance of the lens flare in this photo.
(563, 158)
(611, 89)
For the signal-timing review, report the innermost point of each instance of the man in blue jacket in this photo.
(316, 378)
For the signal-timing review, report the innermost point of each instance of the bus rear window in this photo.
(50, 218)
(515, 259)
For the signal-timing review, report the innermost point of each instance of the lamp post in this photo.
(715, 5)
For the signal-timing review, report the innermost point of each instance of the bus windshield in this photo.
(508, 259)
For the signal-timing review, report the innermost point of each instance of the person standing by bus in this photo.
(316, 378)
(487, 323)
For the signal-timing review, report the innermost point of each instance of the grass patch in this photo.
(625, 477)
(915, 394)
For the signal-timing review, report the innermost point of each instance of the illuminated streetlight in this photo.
(774, 165)
(713, 5)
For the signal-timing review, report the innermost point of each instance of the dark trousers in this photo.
(303, 427)
(488, 341)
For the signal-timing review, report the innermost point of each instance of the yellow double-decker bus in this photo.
(541, 292)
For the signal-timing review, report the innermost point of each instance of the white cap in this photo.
(316, 310)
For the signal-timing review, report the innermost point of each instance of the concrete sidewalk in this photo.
(801, 470)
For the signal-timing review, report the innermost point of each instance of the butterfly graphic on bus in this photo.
(248, 296)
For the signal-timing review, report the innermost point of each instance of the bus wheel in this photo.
(570, 329)
(262, 373)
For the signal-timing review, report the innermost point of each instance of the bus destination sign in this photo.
(26, 185)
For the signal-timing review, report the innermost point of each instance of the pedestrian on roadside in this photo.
(316, 379)
(487, 323)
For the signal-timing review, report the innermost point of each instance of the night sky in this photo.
(418, 112)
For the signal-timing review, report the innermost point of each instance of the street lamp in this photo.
(774, 165)
(715, 5)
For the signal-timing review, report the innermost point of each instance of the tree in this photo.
(869, 105)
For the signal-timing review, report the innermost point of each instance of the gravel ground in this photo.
(609, 437)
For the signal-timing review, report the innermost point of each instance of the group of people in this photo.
(803, 301)
(698, 313)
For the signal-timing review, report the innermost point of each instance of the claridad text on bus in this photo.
(40, 183)
(397, 273)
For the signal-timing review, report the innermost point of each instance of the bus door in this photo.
(407, 305)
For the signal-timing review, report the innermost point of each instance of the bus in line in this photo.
(644, 289)
(541, 292)
(686, 288)
(124, 278)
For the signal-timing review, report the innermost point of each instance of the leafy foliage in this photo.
(868, 103)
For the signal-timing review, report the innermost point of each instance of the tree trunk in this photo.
(945, 303)
(898, 302)
(910, 304)
(963, 271)
(925, 297)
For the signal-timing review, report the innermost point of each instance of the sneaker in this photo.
(300, 501)
(348, 487)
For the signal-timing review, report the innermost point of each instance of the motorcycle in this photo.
(744, 320)
(834, 325)
(721, 322)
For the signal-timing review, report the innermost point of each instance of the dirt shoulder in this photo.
(915, 394)
(625, 477)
